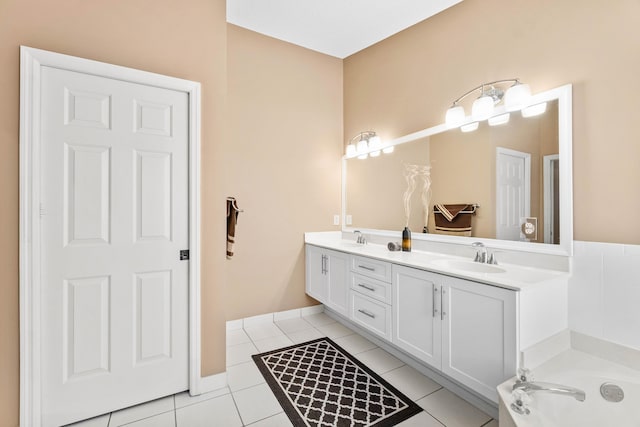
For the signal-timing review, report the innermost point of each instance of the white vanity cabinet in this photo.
(327, 274)
(416, 313)
(465, 329)
(479, 334)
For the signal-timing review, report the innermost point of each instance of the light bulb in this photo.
(469, 127)
(482, 108)
(499, 120)
(362, 146)
(374, 142)
(363, 156)
(517, 96)
(534, 110)
(351, 150)
(375, 153)
(454, 117)
(388, 150)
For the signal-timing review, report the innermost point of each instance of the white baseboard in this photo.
(213, 382)
(285, 315)
(249, 322)
(314, 309)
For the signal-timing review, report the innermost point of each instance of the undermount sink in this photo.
(470, 266)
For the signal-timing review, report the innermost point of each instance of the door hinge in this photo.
(184, 254)
(42, 212)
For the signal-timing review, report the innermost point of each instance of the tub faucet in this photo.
(540, 387)
(360, 237)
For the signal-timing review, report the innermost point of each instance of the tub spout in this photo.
(540, 387)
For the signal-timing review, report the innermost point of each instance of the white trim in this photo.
(31, 62)
(212, 383)
(548, 185)
(500, 151)
(565, 142)
(311, 310)
(285, 315)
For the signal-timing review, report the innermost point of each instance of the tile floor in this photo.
(248, 400)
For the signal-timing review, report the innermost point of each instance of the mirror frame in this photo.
(563, 95)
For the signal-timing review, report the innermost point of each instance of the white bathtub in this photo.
(588, 373)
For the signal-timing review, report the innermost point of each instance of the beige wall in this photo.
(282, 164)
(159, 36)
(406, 83)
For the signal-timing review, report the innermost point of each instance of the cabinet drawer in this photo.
(373, 288)
(369, 267)
(371, 314)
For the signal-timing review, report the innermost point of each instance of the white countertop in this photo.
(514, 277)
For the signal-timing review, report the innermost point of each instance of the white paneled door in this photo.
(513, 192)
(114, 218)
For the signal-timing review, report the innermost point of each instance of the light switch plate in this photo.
(349, 220)
(336, 220)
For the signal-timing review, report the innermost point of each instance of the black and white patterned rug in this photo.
(319, 384)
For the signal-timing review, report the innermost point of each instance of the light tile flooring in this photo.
(248, 401)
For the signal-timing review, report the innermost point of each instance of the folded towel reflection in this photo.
(232, 220)
(454, 219)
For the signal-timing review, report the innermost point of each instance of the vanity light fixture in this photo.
(366, 144)
(515, 97)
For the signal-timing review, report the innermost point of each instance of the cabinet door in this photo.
(416, 313)
(337, 265)
(478, 334)
(316, 273)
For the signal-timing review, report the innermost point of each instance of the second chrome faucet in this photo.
(482, 254)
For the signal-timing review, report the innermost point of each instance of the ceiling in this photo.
(335, 27)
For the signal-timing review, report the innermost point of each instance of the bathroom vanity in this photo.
(464, 320)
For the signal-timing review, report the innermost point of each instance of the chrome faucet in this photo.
(360, 237)
(522, 389)
(481, 252)
(540, 387)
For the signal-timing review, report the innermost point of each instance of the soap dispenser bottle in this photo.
(406, 240)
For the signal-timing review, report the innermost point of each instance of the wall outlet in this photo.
(336, 220)
(349, 220)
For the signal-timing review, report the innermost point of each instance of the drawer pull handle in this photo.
(369, 288)
(367, 268)
(366, 313)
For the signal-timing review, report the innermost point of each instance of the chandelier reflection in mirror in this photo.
(514, 98)
(366, 144)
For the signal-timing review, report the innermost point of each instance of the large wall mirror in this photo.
(513, 178)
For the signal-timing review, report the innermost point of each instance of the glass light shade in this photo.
(375, 142)
(363, 156)
(454, 117)
(351, 150)
(516, 97)
(499, 120)
(469, 127)
(362, 146)
(482, 108)
(534, 110)
(375, 153)
(388, 150)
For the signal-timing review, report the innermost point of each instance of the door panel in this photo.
(114, 297)
(416, 313)
(479, 335)
(86, 329)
